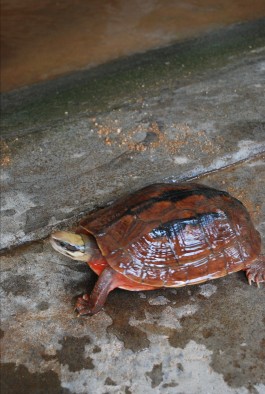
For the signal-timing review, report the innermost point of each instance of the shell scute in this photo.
(187, 239)
(218, 265)
(198, 270)
(233, 256)
(177, 278)
(217, 230)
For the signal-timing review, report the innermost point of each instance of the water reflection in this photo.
(44, 39)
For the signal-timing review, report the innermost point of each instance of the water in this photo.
(44, 39)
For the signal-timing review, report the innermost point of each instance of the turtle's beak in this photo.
(71, 245)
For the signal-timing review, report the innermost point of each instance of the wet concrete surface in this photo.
(207, 338)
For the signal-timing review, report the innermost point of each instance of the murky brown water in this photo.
(43, 39)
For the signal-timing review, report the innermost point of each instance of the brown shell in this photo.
(175, 234)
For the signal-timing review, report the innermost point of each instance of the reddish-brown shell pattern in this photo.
(170, 235)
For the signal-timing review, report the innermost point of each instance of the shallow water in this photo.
(44, 39)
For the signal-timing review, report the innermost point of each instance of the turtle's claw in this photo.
(256, 272)
(82, 306)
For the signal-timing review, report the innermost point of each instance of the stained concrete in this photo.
(207, 125)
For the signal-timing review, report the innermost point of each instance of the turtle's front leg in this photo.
(91, 304)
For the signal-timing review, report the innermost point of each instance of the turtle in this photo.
(164, 235)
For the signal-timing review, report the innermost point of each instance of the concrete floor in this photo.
(195, 110)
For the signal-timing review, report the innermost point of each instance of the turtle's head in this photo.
(77, 246)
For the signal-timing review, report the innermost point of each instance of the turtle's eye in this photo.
(70, 247)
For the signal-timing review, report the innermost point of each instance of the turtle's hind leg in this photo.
(256, 271)
(91, 304)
